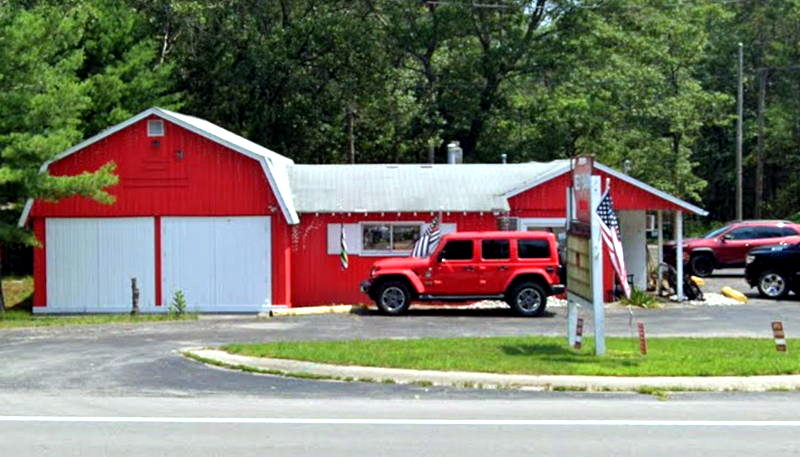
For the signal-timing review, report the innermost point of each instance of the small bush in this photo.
(641, 299)
(178, 305)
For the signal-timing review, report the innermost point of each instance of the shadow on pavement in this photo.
(445, 311)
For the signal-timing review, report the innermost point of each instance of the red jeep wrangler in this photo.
(521, 268)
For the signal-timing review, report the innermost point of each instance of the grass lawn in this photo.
(23, 318)
(546, 355)
(18, 292)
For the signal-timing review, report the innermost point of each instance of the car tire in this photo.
(772, 284)
(701, 265)
(393, 298)
(527, 299)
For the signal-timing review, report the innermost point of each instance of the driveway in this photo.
(142, 358)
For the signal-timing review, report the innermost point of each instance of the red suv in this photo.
(727, 247)
(521, 268)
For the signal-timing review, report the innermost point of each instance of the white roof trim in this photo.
(282, 194)
(621, 176)
(647, 188)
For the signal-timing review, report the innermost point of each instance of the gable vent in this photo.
(155, 127)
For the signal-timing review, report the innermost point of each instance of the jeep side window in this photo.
(495, 249)
(457, 250)
(533, 249)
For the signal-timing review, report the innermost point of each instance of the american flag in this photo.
(609, 231)
(343, 261)
(427, 243)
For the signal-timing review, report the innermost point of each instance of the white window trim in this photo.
(387, 252)
(150, 133)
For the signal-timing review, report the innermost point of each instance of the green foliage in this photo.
(178, 305)
(68, 69)
(641, 299)
(645, 85)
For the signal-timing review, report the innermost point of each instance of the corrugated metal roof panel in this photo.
(403, 188)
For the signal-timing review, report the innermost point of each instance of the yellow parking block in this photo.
(734, 294)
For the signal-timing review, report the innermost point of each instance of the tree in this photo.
(44, 95)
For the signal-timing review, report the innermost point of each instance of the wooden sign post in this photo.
(642, 338)
(780, 336)
(579, 333)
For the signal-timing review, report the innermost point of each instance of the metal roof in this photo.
(404, 188)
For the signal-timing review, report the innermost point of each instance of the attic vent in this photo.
(155, 127)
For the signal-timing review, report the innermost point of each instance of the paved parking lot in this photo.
(143, 359)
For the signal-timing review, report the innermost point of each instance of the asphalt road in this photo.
(232, 426)
(124, 390)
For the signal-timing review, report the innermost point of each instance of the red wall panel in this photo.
(317, 277)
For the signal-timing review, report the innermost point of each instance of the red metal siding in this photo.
(39, 265)
(548, 199)
(317, 277)
(183, 175)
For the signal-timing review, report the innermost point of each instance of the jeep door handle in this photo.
(502, 268)
(469, 268)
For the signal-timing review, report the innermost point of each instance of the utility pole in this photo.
(739, 116)
(351, 152)
(762, 101)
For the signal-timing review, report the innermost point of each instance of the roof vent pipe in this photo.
(503, 158)
(454, 153)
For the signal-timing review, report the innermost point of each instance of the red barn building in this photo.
(239, 228)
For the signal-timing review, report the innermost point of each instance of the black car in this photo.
(774, 270)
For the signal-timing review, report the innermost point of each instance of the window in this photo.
(533, 249)
(744, 233)
(768, 232)
(389, 236)
(457, 250)
(495, 249)
(786, 231)
(155, 127)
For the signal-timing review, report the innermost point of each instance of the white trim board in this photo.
(280, 187)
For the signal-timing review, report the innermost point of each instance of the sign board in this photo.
(579, 266)
(585, 255)
(582, 168)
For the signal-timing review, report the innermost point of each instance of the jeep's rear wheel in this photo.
(772, 284)
(527, 299)
(393, 298)
(702, 265)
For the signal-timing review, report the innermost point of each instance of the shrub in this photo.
(641, 299)
(178, 305)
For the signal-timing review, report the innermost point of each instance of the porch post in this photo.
(660, 253)
(679, 254)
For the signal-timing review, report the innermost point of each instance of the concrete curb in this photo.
(300, 369)
(313, 310)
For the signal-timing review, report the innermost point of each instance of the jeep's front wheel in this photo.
(393, 298)
(527, 299)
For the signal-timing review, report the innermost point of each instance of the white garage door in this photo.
(90, 263)
(222, 264)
